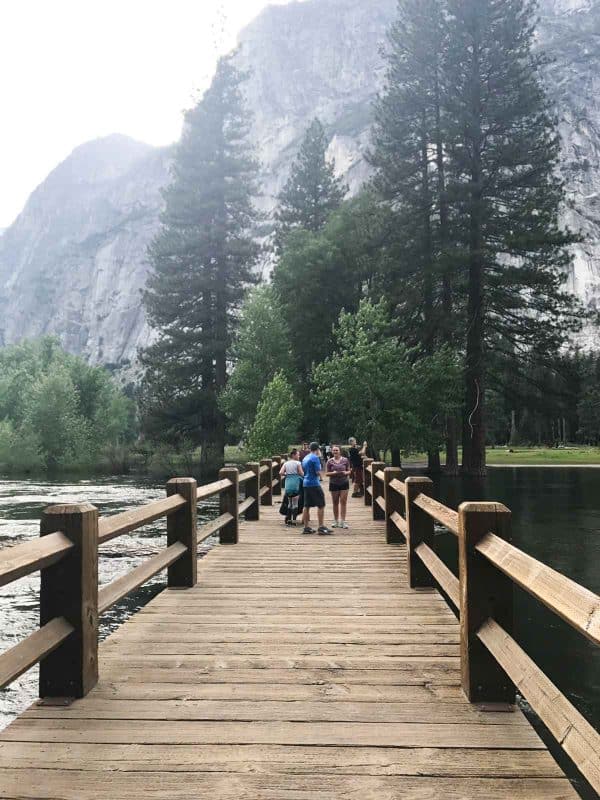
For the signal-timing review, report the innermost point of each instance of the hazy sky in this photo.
(74, 70)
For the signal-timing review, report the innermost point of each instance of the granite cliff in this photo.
(74, 261)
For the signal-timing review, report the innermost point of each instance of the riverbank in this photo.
(529, 457)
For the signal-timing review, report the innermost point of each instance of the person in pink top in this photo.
(338, 471)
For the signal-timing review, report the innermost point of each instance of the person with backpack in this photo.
(292, 472)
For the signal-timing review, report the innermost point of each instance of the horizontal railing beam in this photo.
(246, 504)
(572, 731)
(380, 502)
(214, 526)
(31, 650)
(439, 512)
(264, 490)
(211, 489)
(380, 475)
(128, 521)
(246, 476)
(116, 590)
(399, 522)
(398, 486)
(573, 603)
(444, 577)
(23, 559)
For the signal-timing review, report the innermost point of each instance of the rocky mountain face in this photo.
(74, 261)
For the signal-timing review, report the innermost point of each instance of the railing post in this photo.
(377, 485)
(484, 592)
(181, 527)
(69, 589)
(394, 501)
(277, 487)
(368, 480)
(252, 488)
(420, 528)
(229, 501)
(267, 480)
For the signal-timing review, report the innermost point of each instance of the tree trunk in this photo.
(452, 465)
(474, 424)
(434, 465)
(396, 457)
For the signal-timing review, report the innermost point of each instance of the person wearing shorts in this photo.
(313, 493)
(291, 471)
(338, 471)
(356, 461)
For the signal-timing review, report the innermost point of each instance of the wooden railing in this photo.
(67, 554)
(493, 664)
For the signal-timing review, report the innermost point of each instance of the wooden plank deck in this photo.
(299, 668)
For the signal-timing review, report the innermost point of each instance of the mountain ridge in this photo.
(74, 262)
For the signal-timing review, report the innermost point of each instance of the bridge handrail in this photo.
(489, 565)
(67, 553)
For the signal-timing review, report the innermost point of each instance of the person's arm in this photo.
(363, 450)
(282, 471)
(300, 471)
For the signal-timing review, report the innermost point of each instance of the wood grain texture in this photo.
(27, 557)
(298, 668)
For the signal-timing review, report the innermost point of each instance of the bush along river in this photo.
(556, 519)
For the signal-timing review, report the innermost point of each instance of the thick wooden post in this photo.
(394, 502)
(229, 500)
(267, 480)
(69, 589)
(420, 528)
(277, 487)
(252, 488)
(181, 527)
(368, 480)
(484, 592)
(378, 490)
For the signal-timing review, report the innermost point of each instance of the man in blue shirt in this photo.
(314, 496)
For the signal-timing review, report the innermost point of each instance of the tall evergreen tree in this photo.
(503, 151)
(202, 262)
(312, 191)
(408, 156)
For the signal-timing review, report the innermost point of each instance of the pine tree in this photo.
(202, 261)
(410, 173)
(312, 191)
(503, 152)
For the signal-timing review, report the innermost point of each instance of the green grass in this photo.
(532, 456)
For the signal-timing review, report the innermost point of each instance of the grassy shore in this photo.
(531, 456)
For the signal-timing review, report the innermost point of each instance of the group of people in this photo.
(303, 473)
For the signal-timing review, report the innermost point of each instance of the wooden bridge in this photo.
(291, 666)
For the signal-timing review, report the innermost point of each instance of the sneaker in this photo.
(336, 524)
(344, 525)
(309, 530)
(324, 531)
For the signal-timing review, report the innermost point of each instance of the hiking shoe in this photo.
(324, 531)
(309, 530)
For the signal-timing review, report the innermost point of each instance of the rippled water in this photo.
(21, 504)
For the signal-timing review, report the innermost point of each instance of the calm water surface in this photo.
(556, 518)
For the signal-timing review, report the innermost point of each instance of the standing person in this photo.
(356, 462)
(304, 451)
(293, 473)
(338, 472)
(313, 493)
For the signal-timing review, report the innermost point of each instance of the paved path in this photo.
(299, 668)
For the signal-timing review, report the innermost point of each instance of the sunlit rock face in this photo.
(74, 262)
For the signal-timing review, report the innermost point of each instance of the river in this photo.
(556, 518)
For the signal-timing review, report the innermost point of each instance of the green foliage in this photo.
(202, 262)
(277, 419)
(56, 411)
(260, 350)
(312, 191)
(372, 383)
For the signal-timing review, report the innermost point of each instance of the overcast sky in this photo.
(74, 70)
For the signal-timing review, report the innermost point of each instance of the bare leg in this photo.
(306, 517)
(321, 516)
(335, 496)
(343, 501)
